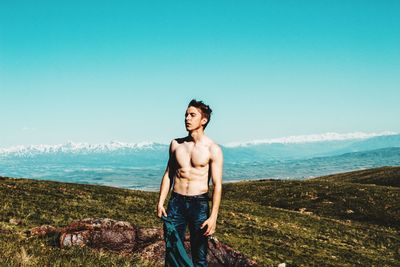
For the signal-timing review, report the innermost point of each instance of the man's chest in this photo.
(192, 156)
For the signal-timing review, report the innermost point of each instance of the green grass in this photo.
(387, 176)
(347, 221)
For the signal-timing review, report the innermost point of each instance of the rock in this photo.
(99, 233)
(122, 237)
(43, 230)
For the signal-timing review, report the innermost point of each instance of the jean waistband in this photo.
(195, 197)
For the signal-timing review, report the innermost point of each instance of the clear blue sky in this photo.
(96, 71)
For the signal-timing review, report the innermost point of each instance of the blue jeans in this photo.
(191, 211)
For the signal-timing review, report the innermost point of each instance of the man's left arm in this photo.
(216, 165)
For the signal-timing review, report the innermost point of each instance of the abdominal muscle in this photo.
(191, 181)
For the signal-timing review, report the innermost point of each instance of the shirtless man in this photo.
(193, 160)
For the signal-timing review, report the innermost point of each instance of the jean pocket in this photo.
(171, 207)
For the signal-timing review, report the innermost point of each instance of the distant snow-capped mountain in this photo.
(293, 147)
(308, 147)
(79, 148)
(141, 165)
(311, 138)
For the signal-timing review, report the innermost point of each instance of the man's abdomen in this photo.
(190, 187)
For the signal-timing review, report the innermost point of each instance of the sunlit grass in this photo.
(324, 222)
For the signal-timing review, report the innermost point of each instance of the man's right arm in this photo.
(165, 185)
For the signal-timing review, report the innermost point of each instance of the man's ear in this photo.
(204, 121)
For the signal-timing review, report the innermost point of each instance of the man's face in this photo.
(193, 119)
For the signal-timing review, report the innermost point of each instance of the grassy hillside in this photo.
(388, 176)
(323, 221)
(342, 198)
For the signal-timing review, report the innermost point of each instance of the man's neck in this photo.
(196, 135)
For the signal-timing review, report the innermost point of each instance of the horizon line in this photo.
(293, 139)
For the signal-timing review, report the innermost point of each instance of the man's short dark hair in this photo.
(205, 109)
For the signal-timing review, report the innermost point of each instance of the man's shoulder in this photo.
(176, 142)
(215, 149)
(215, 146)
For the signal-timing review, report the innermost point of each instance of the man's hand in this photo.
(211, 224)
(161, 211)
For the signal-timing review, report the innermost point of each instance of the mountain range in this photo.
(141, 165)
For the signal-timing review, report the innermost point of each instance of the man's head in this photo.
(197, 115)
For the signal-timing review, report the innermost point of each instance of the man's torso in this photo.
(191, 166)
